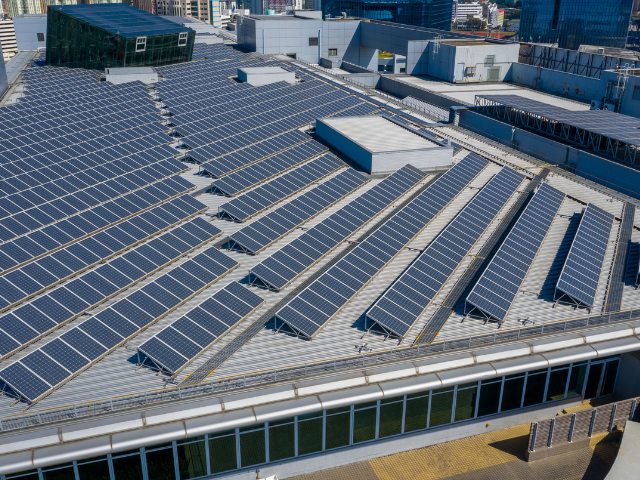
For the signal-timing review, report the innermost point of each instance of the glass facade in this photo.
(571, 23)
(420, 13)
(255, 445)
(77, 43)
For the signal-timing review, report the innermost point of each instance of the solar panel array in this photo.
(28, 280)
(404, 302)
(40, 241)
(29, 322)
(257, 173)
(43, 369)
(253, 202)
(581, 271)
(499, 284)
(602, 122)
(284, 266)
(243, 157)
(311, 309)
(183, 340)
(263, 232)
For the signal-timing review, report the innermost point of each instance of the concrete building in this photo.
(470, 9)
(571, 23)
(200, 9)
(148, 6)
(8, 38)
(31, 31)
(234, 298)
(21, 7)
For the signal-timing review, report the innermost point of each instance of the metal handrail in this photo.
(298, 372)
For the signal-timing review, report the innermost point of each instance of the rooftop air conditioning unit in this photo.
(596, 104)
(610, 107)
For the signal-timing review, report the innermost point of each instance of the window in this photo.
(192, 458)
(333, 52)
(489, 60)
(310, 433)
(636, 93)
(390, 417)
(252, 445)
(493, 74)
(364, 422)
(182, 39)
(141, 44)
(95, 469)
(41, 38)
(313, 41)
(282, 442)
(337, 427)
(222, 451)
(127, 466)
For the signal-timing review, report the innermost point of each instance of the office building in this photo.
(7, 38)
(465, 11)
(420, 13)
(114, 35)
(21, 7)
(196, 280)
(571, 23)
(148, 6)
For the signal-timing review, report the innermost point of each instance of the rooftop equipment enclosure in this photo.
(380, 146)
(114, 35)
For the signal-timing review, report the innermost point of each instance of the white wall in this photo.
(4, 82)
(27, 28)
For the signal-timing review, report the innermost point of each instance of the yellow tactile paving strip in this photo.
(587, 404)
(452, 458)
(493, 455)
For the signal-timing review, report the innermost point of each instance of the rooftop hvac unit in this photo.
(610, 107)
(596, 104)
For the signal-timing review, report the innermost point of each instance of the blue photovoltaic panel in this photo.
(177, 344)
(498, 286)
(263, 232)
(582, 269)
(405, 301)
(36, 318)
(259, 172)
(105, 331)
(284, 266)
(78, 257)
(245, 206)
(310, 310)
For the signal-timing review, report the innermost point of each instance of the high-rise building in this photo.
(19, 7)
(421, 13)
(7, 38)
(571, 23)
(148, 6)
(199, 9)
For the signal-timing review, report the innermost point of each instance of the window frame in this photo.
(141, 41)
(183, 36)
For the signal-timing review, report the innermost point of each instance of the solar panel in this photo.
(263, 232)
(244, 179)
(312, 308)
(179, 343)
(24, 249)
(251, 203)
(81, 256)
(581, 271)
(31, 321)
(35, 374)
(284, 266)
(499, 284)
(243, 157)
(409, 296)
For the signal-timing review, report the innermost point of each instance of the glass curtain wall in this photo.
(420, 13)
(78, 44)
(571, 23)
(339, 427)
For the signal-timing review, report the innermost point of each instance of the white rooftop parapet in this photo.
(99, 436)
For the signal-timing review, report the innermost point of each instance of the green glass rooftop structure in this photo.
(114, 35)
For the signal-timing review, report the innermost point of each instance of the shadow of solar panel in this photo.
(352, 272)
(581, 271)
(186, 338)
(268, 229)
(498, 286)
(280, 269)
(408, 297)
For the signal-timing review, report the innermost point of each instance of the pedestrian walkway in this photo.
(493, 455)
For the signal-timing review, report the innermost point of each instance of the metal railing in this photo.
(298, 372)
